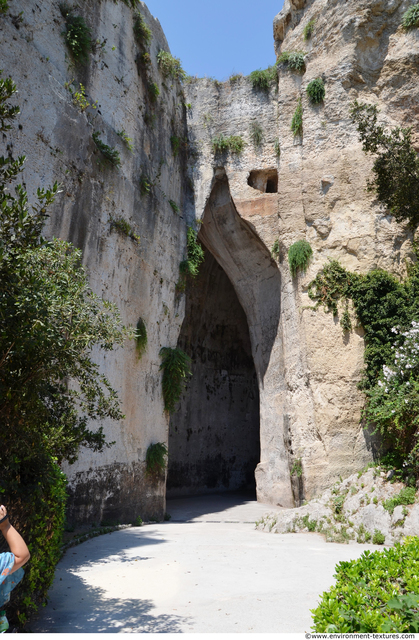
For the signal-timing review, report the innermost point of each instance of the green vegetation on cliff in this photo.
(176, 367)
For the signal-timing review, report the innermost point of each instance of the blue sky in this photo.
(218, 37)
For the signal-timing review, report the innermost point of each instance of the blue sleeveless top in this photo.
(7, 581)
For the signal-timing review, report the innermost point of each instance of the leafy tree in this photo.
(396, 168)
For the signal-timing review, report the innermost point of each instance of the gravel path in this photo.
(206, 571)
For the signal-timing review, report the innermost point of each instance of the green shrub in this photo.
(410, 18)
(138, 522)
(297, 119)
(142, 31)
(124, 228)
(262, 79)
(176, 367)
(170, 66)
(141, 338)
(110, 154)
(338, 503)
(222, 143)
(77, 35)
(406, 496)
(256, 133)
(378, 537)
(377, 593)
(308, 29)
(293, 60)
(299, 255)
(34, 489)
(316, 91)
(156, 459)
(277, 149)
(4, 7)
(396, 167)
(310, 524)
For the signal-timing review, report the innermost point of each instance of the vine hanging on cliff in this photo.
(176, 367)
(195, 257)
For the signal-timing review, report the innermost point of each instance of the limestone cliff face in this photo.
(306, 370)
(57, 140)
(310, 405)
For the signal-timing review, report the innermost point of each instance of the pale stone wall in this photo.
(140, 279)
(307, 369)
(310, 404)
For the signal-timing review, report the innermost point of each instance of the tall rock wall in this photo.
(56, 138)
(310, 405)
(306, 369)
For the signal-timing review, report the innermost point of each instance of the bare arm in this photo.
(15, 541)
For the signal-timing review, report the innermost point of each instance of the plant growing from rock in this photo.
(406, 496)
(77, 35)
(309, 29)
(297, 468)
(299, 255)
(141, 338)
(235, 78)
(170, 66)
(176, 367)
(396, 167)
(256, 133)
(80, 99)
(174, 206)
(4, 7)
(294, 60)
(275, 251)
(124, 228)
(410, 18)
(153, 92)
(156, 459)
(262, 79)
(128, 141)
(222, 143)
(297, 119)
(195, 257)
(316, 91)
(277, 149)
(110, 154)
(142, 31)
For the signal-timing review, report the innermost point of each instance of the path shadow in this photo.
(75, 607)
(187, 508)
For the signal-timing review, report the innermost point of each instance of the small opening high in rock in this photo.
(264, 180)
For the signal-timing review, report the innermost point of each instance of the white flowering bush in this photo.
(393, 402)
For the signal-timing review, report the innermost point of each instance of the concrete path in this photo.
(206, 571)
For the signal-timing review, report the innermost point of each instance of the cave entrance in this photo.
(214, 435)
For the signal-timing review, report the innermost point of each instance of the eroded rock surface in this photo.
(315, 190)
(357, 509)
(281, 188)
